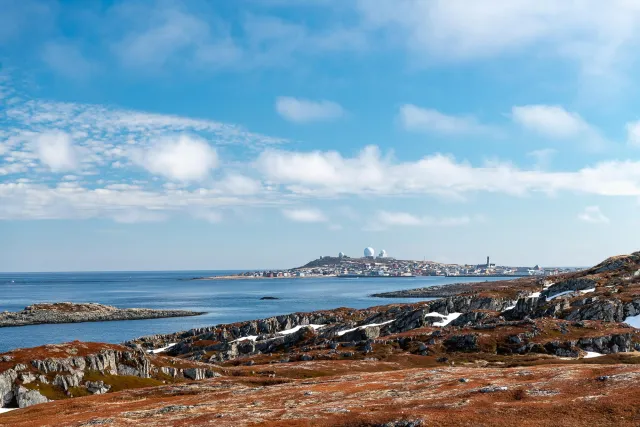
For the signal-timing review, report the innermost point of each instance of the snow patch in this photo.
(447, 319)
(592, 354)
(2, 410)
(247, 338)
(341, 333)
(161, 349)
(633, 321)
(511, 307)
(584, 291)
(534, 295)
(297, 328)
(559, 295)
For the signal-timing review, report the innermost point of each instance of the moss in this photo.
(49, 391)
(121, 382)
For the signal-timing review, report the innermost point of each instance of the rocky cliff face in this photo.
(21, 385)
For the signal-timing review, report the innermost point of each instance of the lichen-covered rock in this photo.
(466, 342)
(25, 397)
(194, 373)
(97, 387)
(65, 382)
(7, 385)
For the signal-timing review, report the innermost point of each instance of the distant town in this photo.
(382, 265)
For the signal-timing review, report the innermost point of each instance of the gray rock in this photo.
(26, 397)
(65, 382)
(493, 389)
(97, 387)
(7, 380)
(195, 373)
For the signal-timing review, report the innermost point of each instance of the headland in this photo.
(370, 266)
(68, 312)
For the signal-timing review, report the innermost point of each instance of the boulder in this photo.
(97, 387)
(26, 397)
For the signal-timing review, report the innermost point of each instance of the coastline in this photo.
(261, 277)
(65, 312)
(335, 276)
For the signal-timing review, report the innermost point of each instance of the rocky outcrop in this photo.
(97, 387)
(574, 284)
(67, 312)
(25, 397)
(7, 384)
(464, 343)
(71, 372)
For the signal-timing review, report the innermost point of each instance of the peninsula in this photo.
(370, 266)
(68, 312)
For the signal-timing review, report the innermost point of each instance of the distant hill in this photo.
(329, 261)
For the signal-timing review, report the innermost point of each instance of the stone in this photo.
(25, 397)
(493, 389)
(97, 387)
(195, 373)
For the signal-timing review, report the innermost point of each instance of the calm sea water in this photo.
(225, 301)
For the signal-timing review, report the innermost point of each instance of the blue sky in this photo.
(143, 135)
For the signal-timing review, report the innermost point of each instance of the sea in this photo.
(224, 301)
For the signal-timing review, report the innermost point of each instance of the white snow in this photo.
(247, 338)
(162, 349)
(534, 295)
(448, 319)
(285, 332)
(297, 328)
(560, 294)
(511, 307)
(7, 410)
(341, 333)
(592, 354)
(584, 291)
(435, 314)
(633, 321)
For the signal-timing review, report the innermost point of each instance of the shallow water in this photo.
(225, 301)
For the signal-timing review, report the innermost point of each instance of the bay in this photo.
(225, 301)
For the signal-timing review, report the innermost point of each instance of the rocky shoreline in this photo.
(67, 312)
(528, 343)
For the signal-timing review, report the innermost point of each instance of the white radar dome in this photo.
(369, 252)
(382, 254)
(341, 255)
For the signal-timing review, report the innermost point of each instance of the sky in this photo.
(177, 135)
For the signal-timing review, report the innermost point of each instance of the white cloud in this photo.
(303, 111)
(185, 158)
(56, 151)
(593, 214)
(414, 118)
(304, 215)
(238, 184)
(385, 219)
(122, 202)
(597, 35)
(550, 120)
(330, 174)
(633, 133)
(553, 121)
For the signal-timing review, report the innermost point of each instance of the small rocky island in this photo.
(68, 312)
